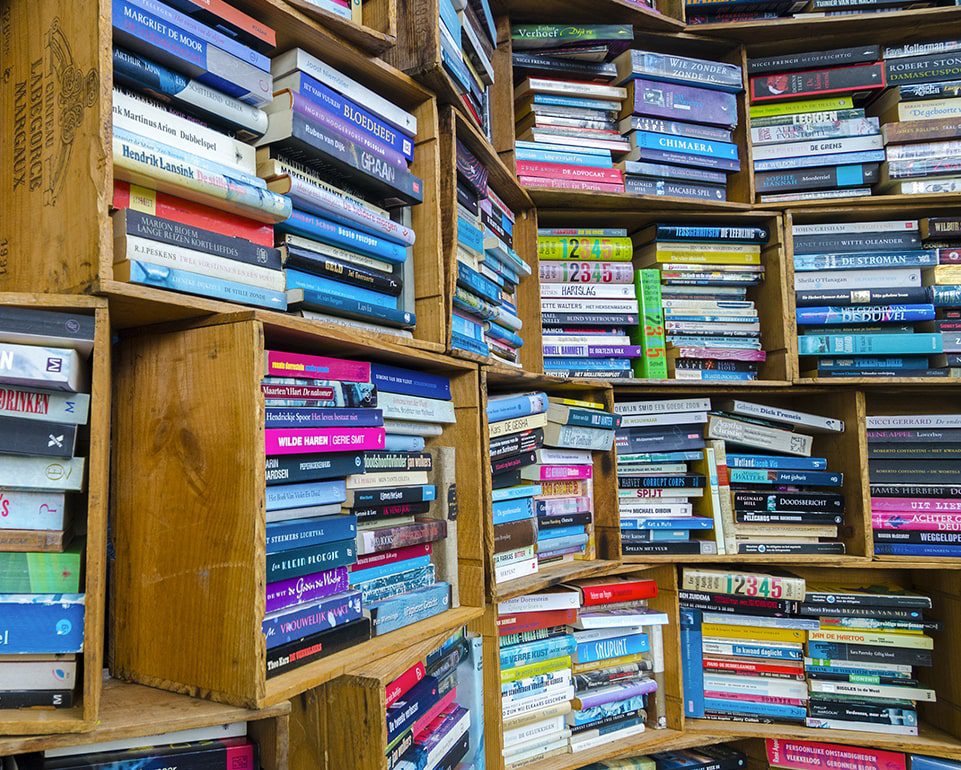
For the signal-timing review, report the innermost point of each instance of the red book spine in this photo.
(431, 714)
(801, 85)
(565, 171)
(239, 19)
(749, 667)
(803, 755)
(158, 204)
(614, 593)
(570, 184)
(532, 621)
(389, 557)
(404, 683)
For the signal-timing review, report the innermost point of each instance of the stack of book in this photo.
(692, 287)
(192, 214)
(468, 37)
(339, 153)
(790, 754)
(357, 511)
(485, 317)
(809, 140)
(914, 468)
(720, 757)
(726, 11)
(566, 108)
(427, 727)
(679, 118)
(943, 289)
(588, 303)
(672, 486)
(542, 470)
(919, 119)
(872, 299)
(785, 500)
(44, 404)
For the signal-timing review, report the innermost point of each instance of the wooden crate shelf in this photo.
(640, 16)
(376, 33)
(455, 127)
(76, 224)
(189, 513)
(133, 711)
(607, 537)
(93, 444)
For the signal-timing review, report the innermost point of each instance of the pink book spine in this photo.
(291, 441)
(560, 506)
(570, 184)
(283, 364)
(404, 682)
(389, 557)
(564, 171)
(915, 505)
(810, 755)
(722, 354)
(932, 522)
(755, 698)
(562, 472)
(442, 705)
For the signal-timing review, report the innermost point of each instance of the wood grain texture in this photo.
(376, 33)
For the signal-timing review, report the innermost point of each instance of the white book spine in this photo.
(587, 306)
(600, 740)
(233, 730)
(863, 727)
(734, 619)
(549, 456)
(585, 339)
(41, 473)
(298, 59)
(652, 469)
(521, 735)
(759, 436)
(516, 570)
(818, 147)
(857, 279)
(542, 602)
(831, 228)
(536, 742)
(528, 704)
(398, 406)
(606, 628)
(332, 251)
(150, 120)
(44, 405)
(662, 510)
(38, 675)
(32, 510)
(914, 421)
(388, 479)
(533, 756)
(662, 407)
(777, 414)
(288, 514)
(673, 418)
(575, 437)
(756, 685)
(362, 325)
(874, 691)
(445, 744)
(32, 365)
(596, 290)
(411, 428)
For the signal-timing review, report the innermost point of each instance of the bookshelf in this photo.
(638, 14)
(376, 33)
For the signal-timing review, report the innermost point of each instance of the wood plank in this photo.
(587, 12)
(376, 34)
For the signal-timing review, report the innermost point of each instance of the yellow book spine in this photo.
(873, 638)
(808, 105)
(597, 665)
(517, 425)
(554, 247)
(708, 258)
(930, 109)
(576, 403)
(754, 633)
(535, 669)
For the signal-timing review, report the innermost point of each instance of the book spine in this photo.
(674, 101)
(813, 83)
(323, 615)
(305, 589)
(412, 607)
(44, 624)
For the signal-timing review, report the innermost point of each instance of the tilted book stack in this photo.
(588, 303)
(566, 106)
(44, 405)
(914, 468)
(358, 533)
(467, 40)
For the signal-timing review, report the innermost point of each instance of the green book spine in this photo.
(649, 334)
(42, 573)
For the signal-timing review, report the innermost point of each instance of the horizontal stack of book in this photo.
(565, 106)
(809, 139)
(44, 404)
(919, 119)
(776, 648)
(193, 216)
(359, 536)
(588, 302)
(427, 724)
(872, 298)
(671, 480)
(468, 37)
(542, 470)
(693, 284)
(723, 11)
(720, 757)
(339, 153)
(914, 469)
(789, 754)
(485, 318)
(679, 119)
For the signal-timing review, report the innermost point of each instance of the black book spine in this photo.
(384, 496)
(637, 185)
(553, 67)
(293, 469)
(564, 520)
(815, 178)
(899, 471)
(908, 296)
(473, 173)
(589, 319)
(466, 198)
(933, 68)
(659, 442)
(496, 226)
(824, 519)
(20, 699)
(47, 323)
(860, 712)
(517, 442)
(513, 462)
(788, 502)
(817, 610)
(917, 537)
(289, 656)
(389, 511)
(843, 243)
(397, 461)
(868, 600)
(867, 653)
(787, 549)
(737, 604)
(681, 549)
(915, 490)
(912, 451)
(817, 82)
(344, 272)
(452, 758)
(37, 439)
(836, 58)
(507, 479)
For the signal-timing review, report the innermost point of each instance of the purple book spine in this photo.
(321, 117)
(677, 102)
(614, 351)
(322, 615)
(309, 588)
(621, 692)
(560, 552)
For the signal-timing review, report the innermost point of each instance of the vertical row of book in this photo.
(45, 359)
(542, 467)
(361, 538)
(468, 37)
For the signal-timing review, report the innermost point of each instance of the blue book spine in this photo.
(564, 158)
(754, 709)
(402, 714)
(801, 478)
(411, 607)
(448, 15)
(917, 549)
(612, 709)
(886, 362)
(473, 281)
(596, 151)
(146, 274)
(867, 260)
(868, 344)
(298, 622)
(731, 319)
(516, 493)
(764, 651)
(363, 497)
(382, 589)
(552, 543)
(614, 647)
(776, 462)
(809, 161)
(944, 296)
(498, 332)
(566, 101)
(692, 662)
(307, 417)
(460, 342)
(505, 271)
(353, 113)
(532, 652)
(357, 309)
(394, 379)
(313, 493)
(395, 443)
(500, 251)
(608, 364)
(921, 762)
(299, 280)
(715, 375)
(470, 236)
(467, 328)
(301, 533)
(593, 418)
(821, 667)
(453, 61)
(558, 532)
(499, 409)
(386, 570)
(335, 234)
(41, 623)
(682, 144)
(684, 522)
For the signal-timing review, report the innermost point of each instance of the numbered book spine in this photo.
(652, 363)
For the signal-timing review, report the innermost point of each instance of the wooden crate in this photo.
(93, 444)
(668, 19)
(344, 721)
(132, 711)
(189, 510)
(846, 453)
(771, 296)
(649, 741)
(376, 33)
(607, 534)
(915, 207)
(69, 192)
(454, 127)
(740, 185)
